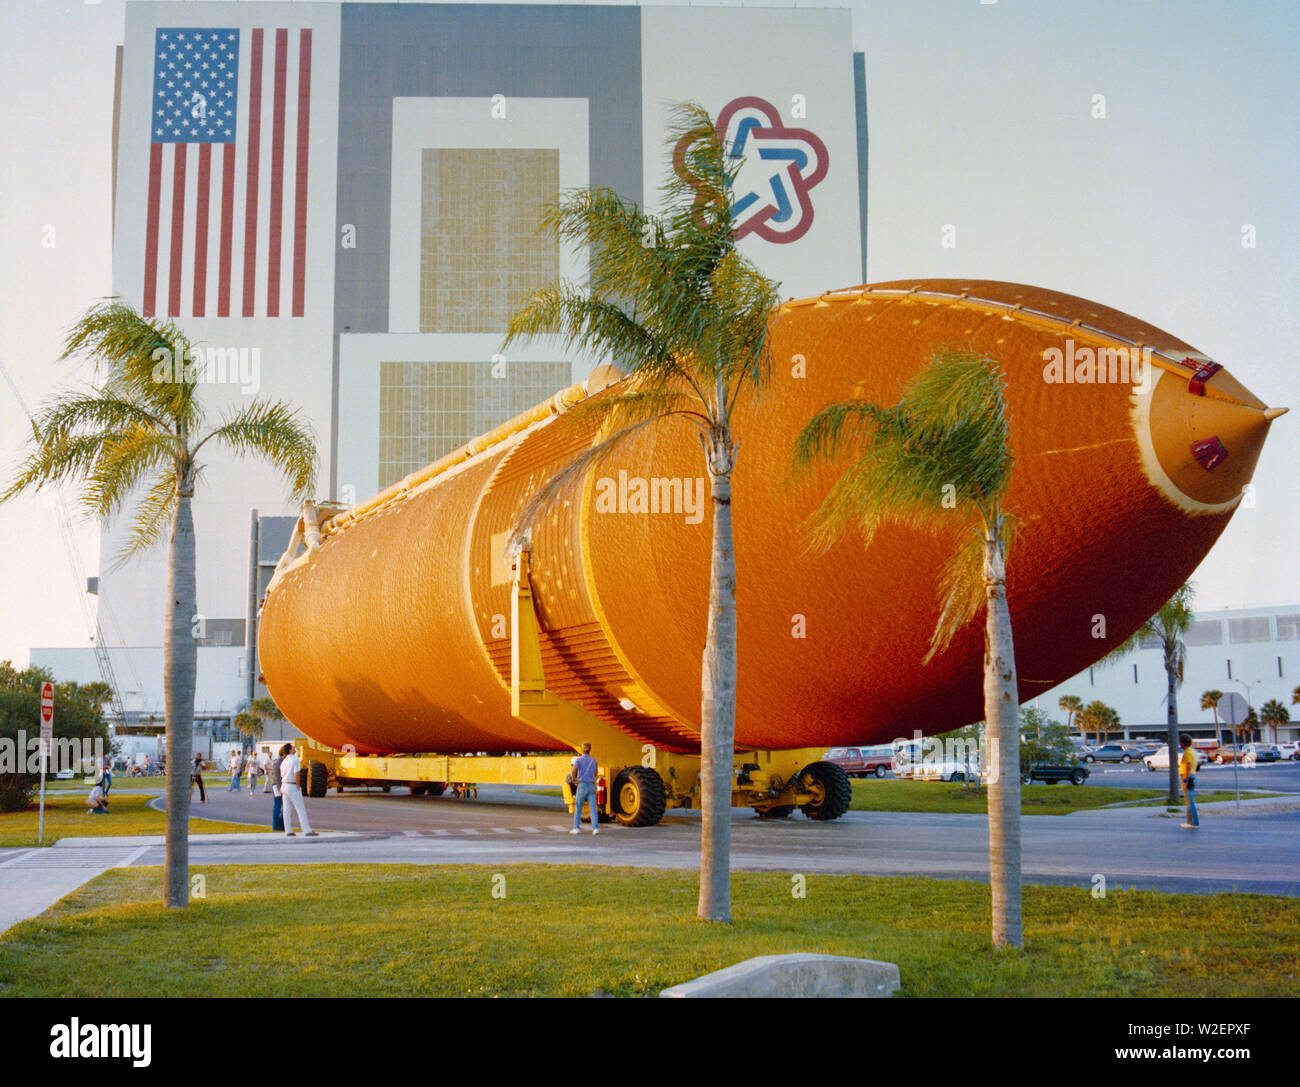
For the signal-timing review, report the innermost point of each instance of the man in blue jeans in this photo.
(584, 773)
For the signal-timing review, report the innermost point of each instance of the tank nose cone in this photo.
(1201, 435)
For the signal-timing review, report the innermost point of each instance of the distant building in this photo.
(1253, 652)
(339, 202)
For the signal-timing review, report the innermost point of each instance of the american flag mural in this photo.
(226, 211)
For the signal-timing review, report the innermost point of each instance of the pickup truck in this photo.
(859, 762)
(1050, 775)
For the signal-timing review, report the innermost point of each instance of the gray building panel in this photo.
(467, 51)
(860, 98)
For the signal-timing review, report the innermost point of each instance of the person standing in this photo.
(254, 768)
(584, 778)
(1187, 763)
(292, 794)
(106, 774)
(272, 775)
(236, 765)
(196, 778)
(273, 783)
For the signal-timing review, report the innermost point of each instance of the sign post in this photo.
(1234, 709)
(47, 734)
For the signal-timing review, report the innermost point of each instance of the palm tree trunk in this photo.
(180, 665)
(1171, 674)
(1001, 709)
(718, 709)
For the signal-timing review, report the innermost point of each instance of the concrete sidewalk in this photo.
(32, 880)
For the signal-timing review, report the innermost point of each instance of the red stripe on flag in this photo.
(277, 174)
(178, 234)
(254, 142)
(201, 231)
(151, 230)
(300, 184)
(227, 229)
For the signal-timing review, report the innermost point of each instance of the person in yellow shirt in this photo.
(1187, 771)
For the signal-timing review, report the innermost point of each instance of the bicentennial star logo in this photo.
(779, 167)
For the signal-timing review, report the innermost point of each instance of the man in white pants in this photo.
(291, 794)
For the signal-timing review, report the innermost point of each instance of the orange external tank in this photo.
(392, 635)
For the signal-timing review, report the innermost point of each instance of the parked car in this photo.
(1050, 775)
(1126, 751)
(1290, 750)
(1248, 754)
(938, 770)
(860, 762)
(1205, 748)
(1158, 759)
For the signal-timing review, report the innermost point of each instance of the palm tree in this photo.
(675, 304)
(138, 438)
(949, 433)
(1072, 704)
(252, 721)
(1274, 715)
(1100, 718)
(1210, 701)
(1167, 627)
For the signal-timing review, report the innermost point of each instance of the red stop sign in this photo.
(47, 703)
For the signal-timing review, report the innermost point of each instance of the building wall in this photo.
(1253, 652)
(419, 139)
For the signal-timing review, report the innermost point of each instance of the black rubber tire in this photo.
(880, 771)
(836, 787)
(1088, 758)
(1026, 778)
(318, 779)
(1126, 758)
(781, 811)
(639, 799)
(435, 788)
(419, 789)
(385, 788)
(338, 788)
(1078, 777)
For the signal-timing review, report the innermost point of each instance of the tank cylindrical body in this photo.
(393, 635)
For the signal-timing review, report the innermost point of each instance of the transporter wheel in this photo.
(780, 811)
(435, 788)
(418, 789)
(639, 799)
(318, 779)
(831, 789)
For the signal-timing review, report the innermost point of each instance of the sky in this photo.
(1120, 150)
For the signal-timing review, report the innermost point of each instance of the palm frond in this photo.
(152, 517)
(146, 359)
(962, 586)
(122, 463)
(271, 430)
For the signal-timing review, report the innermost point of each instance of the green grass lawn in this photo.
(65, 817)
(399, 930)
(938, 796)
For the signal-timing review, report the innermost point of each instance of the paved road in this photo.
(1251, 850)
(1277, 777)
